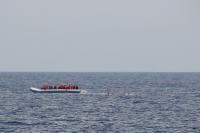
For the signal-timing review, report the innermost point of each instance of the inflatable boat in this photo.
(56, 89)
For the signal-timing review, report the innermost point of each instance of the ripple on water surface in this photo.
(140, 102)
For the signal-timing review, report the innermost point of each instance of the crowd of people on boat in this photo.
(59, 87)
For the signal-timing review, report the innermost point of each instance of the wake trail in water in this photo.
(84, 92)
(97, 94)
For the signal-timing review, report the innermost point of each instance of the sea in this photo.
(137, 103)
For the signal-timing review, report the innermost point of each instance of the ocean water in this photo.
(140, 102)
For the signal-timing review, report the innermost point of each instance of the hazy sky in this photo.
(100, 35)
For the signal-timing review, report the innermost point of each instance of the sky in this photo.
(100, 35)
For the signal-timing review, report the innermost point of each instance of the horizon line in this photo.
(99, 71)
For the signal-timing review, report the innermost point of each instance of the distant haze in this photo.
(100, 35)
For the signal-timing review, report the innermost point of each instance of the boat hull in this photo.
(37, 90)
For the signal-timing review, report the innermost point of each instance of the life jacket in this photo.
(64, 87)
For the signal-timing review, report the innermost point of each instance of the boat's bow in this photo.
(33, 89)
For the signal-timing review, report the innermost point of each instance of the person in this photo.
(76, 86)
(44, 87)
(108, 93)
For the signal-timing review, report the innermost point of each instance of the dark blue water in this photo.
(141, 102)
